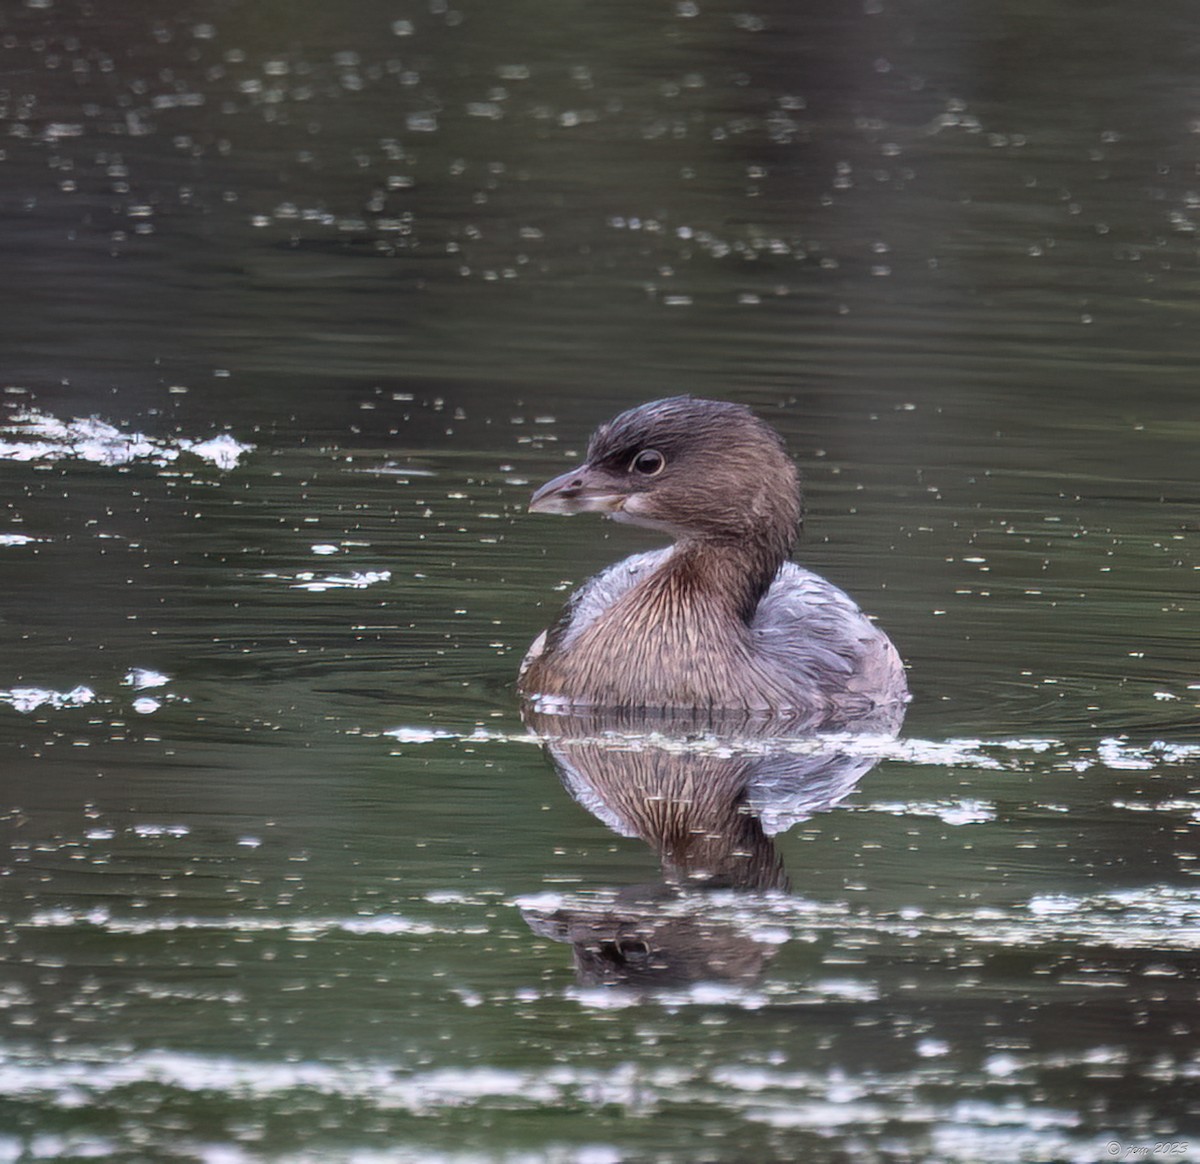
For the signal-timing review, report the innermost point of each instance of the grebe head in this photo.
(702, 470)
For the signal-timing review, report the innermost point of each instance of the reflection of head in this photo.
(644, 944)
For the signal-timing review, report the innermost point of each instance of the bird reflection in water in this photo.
(717, 660)
(708, 792)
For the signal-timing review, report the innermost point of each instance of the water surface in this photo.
(302, 302)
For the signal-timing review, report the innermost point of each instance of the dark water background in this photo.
(269, 810)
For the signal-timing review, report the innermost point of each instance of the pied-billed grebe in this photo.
(721, 619)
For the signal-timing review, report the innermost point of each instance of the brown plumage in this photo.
(722, 619)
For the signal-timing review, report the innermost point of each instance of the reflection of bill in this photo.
(637, 942)
(707, 794)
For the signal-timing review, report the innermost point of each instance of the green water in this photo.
(285, 875)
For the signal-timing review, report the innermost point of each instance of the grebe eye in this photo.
(649, 462)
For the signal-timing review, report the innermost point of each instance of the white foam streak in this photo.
(952, 812)
(355, 580)
(41, 437)
(965, 1129)
(30, 699)
(26, 699)
(1156, 918)
(142, 679)
(997, 755)
(388, 925)
(81, 1081)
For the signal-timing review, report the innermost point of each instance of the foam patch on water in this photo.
(1000, 755)
(66, 1081)
(480, 735)
(958, 1141)
(952, 753)
(143, 679)
(37, 436)
(970, 753)
(846, 989)
(316, 584)
(413, 735)
(140, 679)
(79, 1146)
(1188, 805)
(223, 451)
(26, 699)
(100, 918)
(953, 811)
(949, 1111)
(1121, 755)
(161, 830)
(1153, 917)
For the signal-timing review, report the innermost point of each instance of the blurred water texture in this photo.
(302, 300)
